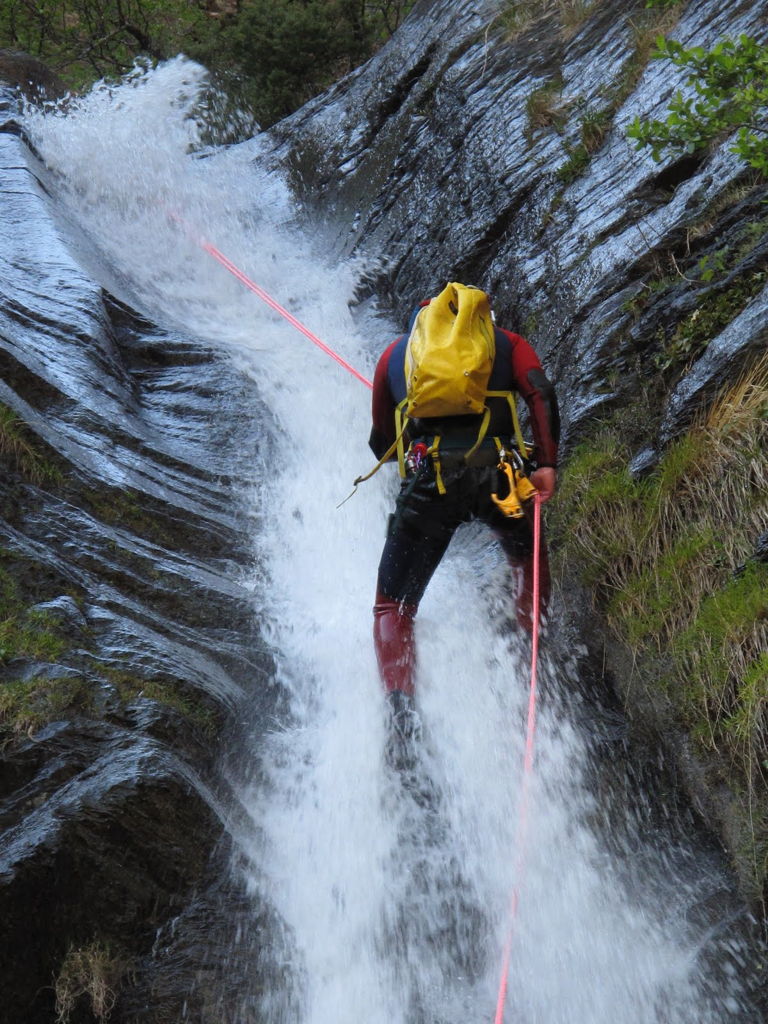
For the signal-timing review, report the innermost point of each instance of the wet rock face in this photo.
(30, 77)
(126, 641)
(467, 151)
(98, 852)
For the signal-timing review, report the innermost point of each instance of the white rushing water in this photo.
(394, 912)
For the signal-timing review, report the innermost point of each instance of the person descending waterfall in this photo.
(444, 404)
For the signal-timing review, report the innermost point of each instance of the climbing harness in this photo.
(434, 449)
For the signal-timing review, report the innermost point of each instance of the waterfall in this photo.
(394, 900)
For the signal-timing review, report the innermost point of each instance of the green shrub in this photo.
(729, 85)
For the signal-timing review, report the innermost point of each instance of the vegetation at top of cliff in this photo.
(275, 54)
(518, 15)
(727, 93)
(679, 560)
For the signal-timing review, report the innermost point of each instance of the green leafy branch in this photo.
(730, 94)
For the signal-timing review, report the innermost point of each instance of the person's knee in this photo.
(393, 641)
(385, 606)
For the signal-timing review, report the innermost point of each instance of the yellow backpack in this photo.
(448, 362)
(449, 355)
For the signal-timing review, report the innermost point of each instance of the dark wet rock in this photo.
(65, 610)
(111, 834)
(123, 560)
(27, 671)
(204, 959)
(644, 463)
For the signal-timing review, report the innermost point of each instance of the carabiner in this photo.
(509, 506)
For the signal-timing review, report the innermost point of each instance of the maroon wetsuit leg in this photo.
(522, 570)
(393, 641)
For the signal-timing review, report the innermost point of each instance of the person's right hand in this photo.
(544, 480)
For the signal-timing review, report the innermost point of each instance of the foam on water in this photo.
(395, 909)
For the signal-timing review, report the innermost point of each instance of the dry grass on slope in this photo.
(679, 562)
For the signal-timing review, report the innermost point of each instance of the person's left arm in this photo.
(539, 395)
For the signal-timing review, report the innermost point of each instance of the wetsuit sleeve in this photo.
(540, 397)
(382, 407)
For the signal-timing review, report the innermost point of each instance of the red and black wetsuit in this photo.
(424, 519)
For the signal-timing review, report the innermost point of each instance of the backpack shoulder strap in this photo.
(511, 398)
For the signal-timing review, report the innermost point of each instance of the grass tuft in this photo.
(22, 451)
(545, 108)
(671, 559)
(25, 707)
(92, 972)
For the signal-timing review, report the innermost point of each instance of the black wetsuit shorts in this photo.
(424, 521)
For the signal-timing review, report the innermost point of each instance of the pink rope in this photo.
(264, 295)
(530, 734)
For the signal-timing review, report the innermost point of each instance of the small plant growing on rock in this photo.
(576, 164)
(19, 449)
(727, 93)
(595, 125)
(546, 109)
(92, 972)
